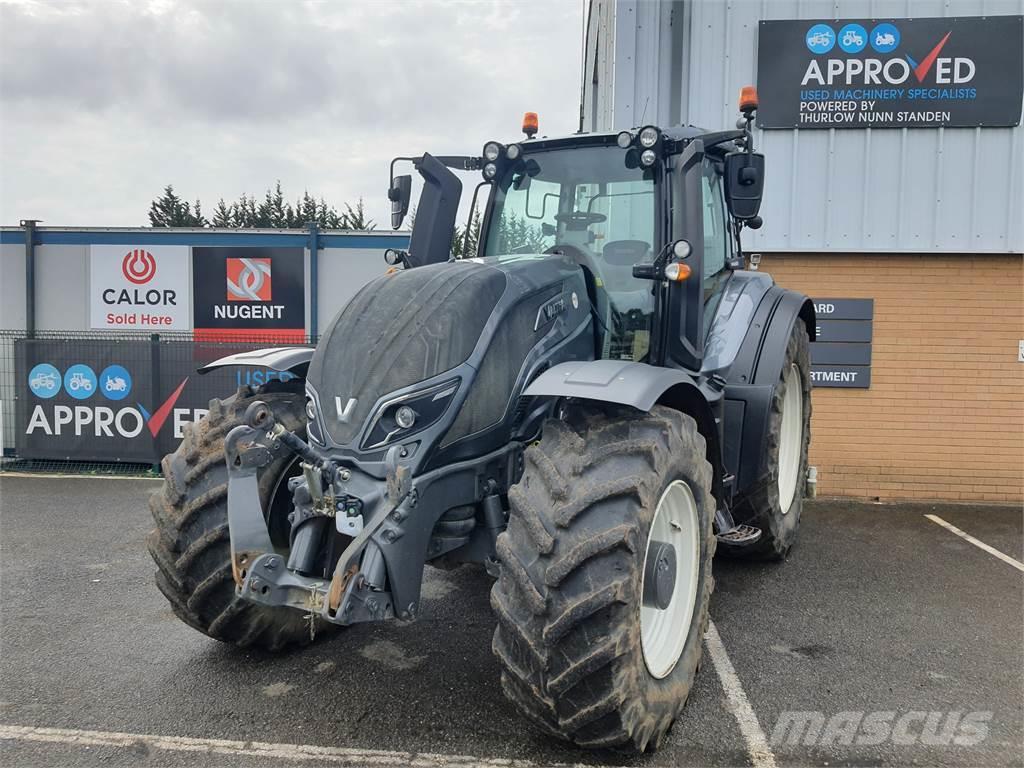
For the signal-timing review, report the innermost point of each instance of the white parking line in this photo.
(979, 544)
(757, 743)
(275, 752)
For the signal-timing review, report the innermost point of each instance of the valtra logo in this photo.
(138, 266)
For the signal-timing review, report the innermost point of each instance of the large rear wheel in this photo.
(605, 575)
(191, 545)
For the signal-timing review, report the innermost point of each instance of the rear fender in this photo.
(752, 380)
(291, 359)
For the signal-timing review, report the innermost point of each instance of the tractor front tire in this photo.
(778, 504)
(572, 637)
(191, 545)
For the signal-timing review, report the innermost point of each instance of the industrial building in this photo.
(919, 384)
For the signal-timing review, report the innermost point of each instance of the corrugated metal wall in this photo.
(955, 190)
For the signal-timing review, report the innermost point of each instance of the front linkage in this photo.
(391, 520)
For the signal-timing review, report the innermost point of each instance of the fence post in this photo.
(29, 226)
(314, 258)
(154, 373)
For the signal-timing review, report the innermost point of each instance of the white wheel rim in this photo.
(790, 434)
(663, 632)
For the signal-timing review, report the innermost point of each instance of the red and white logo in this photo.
(138, 266)
(248, 279)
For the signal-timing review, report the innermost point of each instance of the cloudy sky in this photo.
(104, 103)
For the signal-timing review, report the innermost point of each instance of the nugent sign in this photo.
(891, 73)
(249, 293)
(138, 288)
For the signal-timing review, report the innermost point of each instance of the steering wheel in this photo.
(576, 220)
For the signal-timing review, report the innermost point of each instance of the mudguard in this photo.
(752, 379)
(641, 386)
(612, 381)
(292, 359)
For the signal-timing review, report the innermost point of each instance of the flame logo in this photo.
(139, 266)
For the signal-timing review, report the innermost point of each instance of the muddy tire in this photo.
(569, 594)
(776, 507)
(191, 545)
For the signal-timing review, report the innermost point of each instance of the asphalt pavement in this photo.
(879, 615)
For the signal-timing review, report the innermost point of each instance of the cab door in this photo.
(685, 301)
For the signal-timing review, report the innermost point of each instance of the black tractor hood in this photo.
(398, 330)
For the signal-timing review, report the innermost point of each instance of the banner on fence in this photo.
(104, 400)
(138, 288)
(241, 291)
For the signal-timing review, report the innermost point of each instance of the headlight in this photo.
(647, 157)
(490, 171)
(310, 409)
(492, 151)
(513, 151)
(649, 136)
(405, 417)
(402, 417)
(624, 139)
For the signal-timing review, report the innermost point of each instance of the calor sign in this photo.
(139, 287)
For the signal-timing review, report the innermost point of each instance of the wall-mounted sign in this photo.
(249, 292)
(884, 73)
(841, 357)
(138, 287)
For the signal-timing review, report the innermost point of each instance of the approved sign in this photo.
(890, 73)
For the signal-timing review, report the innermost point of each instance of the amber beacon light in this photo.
(530, 124)
(748, 98)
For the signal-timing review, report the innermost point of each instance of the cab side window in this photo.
(716, 233)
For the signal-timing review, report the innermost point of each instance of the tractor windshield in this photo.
(590, 205)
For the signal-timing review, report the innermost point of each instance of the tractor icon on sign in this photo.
(852, 40)
(79, 381)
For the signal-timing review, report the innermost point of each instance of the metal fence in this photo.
(102, 397)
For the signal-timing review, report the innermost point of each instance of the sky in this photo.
(104, 103)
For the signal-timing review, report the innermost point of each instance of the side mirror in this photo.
(744, 184)
(401, 190)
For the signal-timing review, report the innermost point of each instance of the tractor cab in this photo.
(623, 207)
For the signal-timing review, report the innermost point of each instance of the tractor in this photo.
(586, 409)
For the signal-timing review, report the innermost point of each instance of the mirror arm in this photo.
(391, 171)
(738, 259)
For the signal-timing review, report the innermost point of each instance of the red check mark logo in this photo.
(921, 70)
(156, 421)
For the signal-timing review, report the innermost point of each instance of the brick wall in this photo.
(944, 417)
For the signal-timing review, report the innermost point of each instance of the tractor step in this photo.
(739, 536)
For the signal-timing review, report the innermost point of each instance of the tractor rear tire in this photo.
(568, 599)
(191, 545)
(777, 505)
